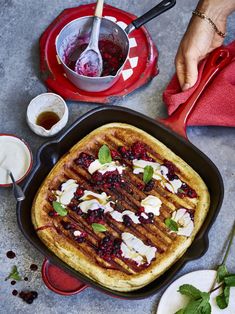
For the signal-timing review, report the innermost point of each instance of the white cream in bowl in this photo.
(15, 156)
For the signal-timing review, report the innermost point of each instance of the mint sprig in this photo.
(226, 279)
(104, 154)
(59, 208)
(98, 227)
(148, 174)
(199, 300)
(171, 224)
(14, 274)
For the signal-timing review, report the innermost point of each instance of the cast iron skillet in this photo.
(51, 152)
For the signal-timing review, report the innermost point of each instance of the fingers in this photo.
(180, 68)
(186, 69)
(191, 72)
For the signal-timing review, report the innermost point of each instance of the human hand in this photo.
(200, 39)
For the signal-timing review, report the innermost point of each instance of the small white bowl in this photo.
(47, 102)
(16, 156)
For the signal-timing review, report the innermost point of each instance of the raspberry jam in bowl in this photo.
(114, 48)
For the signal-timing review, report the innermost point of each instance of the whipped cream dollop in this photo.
(107, 167)
(184, 222)
(65, 195)
(134, 249)
(151, 204)
(159, 173)
(140, 164)
(118, 216)
(173, 185)
(93, 201)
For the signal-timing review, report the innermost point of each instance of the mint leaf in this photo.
(98, 227)
(190, 291)
(205, 296)
(104, 155)
(59, 208)
(206, 308)
(171, 224)
(222, 300)
(193, 307)
(14, 274)
(227, 294)
(201, 306)
(148, 174)
(221, 273)
(230, 280)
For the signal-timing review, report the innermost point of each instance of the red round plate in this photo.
(59, 281)
(139, 69)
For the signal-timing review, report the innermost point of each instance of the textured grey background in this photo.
(21, 24)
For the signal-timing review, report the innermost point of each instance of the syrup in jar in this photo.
(47, 119)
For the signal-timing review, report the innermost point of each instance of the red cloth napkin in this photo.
(216, 106)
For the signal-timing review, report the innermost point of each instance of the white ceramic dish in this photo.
(47, 102)
(16, 156)
(171, 300)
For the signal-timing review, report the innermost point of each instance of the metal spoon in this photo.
(90, 62)
(18, 192)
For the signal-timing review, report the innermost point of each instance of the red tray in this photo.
(140, 68)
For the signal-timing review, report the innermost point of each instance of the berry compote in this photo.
(111, 53)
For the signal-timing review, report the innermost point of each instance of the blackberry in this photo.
(67, 225)
(149, 186)
(127, 221)
(105, 240)
(79, 239)
(73, 207)
(51, 213)
(172, 176)
(84, 160)
(150, 215)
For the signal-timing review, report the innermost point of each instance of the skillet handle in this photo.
(217, 60)
(148, 16)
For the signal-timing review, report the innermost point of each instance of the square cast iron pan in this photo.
(53, 150)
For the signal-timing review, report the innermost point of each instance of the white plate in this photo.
(16, 156)
(171, 300)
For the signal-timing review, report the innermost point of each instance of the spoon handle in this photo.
(18, 192)
(99, 8)
(94, 38)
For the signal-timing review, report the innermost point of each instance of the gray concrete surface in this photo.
(21, 24)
